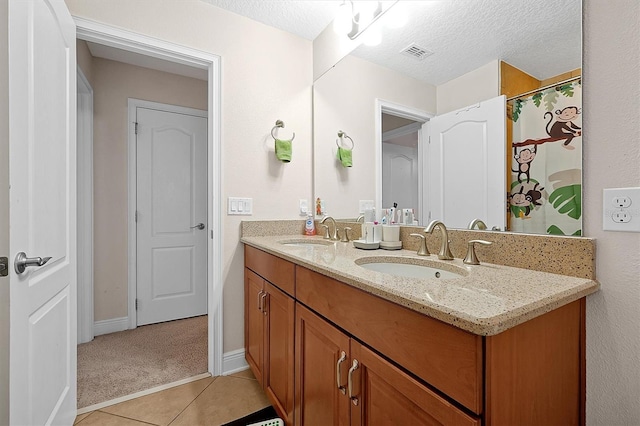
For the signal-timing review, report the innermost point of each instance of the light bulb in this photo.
(396, 17)
(372, 36)
(366, 10)
(343, 22)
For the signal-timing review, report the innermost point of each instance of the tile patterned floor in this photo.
(210, 401)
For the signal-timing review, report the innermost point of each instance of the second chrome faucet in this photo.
(445, 252)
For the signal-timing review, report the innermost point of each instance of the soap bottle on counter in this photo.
(309, 225)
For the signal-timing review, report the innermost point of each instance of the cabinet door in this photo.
(382, 394)
(321, 371)
(279, 365)
(254, 323)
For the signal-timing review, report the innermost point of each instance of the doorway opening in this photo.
(401, 154)
(153, 54)
(400, 166)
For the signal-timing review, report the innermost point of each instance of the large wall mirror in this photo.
(452, 63)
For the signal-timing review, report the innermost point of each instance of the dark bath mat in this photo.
(266, 413)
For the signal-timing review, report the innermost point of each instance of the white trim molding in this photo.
(85, 208)
(234, 362)
(112, 325)
(133, 42)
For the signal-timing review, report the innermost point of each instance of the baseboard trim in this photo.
(233, 362)
(110, 326)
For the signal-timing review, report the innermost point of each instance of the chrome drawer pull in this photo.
(354, 367)
(343, 357)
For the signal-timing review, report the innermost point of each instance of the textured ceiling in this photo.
(302, 17)
(541, 37)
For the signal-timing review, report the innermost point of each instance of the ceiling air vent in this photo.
(416, 52)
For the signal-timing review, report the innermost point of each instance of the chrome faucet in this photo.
(422, 250)
(345, 236)
(471, 258)
(481, 225)
(360, 218)
(334, 236)
(445, 252)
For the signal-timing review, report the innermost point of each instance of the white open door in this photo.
(42, 144)
(172, 213)
(467, 165)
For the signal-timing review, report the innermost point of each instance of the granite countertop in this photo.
(485, 300)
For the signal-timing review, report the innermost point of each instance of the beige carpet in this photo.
(119, 364)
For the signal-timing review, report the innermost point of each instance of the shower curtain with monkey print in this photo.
(545, 195)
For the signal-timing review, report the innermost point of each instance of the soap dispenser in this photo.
(309, 225)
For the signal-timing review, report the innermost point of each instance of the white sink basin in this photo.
(306, 243)
(422, 270)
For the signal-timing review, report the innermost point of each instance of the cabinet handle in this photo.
(343, 356)
(354, 367)
(264, 303)
(260, 300)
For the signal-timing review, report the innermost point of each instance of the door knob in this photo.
(199, 226)
(22, 261)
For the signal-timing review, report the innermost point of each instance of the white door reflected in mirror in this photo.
(466, 161)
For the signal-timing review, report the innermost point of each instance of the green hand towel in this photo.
(283, 150)
(345, 157)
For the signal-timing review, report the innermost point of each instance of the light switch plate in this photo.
(364, 205)
(303, 205)
(240, 206)
(621, 209)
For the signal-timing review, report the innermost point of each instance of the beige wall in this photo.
(611, 149)
(344, 99)
(255, 96)
(266, 76)
(84, 59)
(476, 86)
(4, 213)
(113, 83)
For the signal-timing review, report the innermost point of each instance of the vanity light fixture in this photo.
(356, 16)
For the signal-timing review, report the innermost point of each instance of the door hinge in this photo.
(136, 127)
(429, 139)
(212, 234)
(135, 216)
(137, 304)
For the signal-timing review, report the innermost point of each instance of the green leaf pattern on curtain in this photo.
(568, 200)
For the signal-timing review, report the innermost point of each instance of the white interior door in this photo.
(400, 176)
(42, 141)
(467, 165)
(171, 215)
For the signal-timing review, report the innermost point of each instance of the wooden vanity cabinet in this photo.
(412, 369)
(322, 362)
(269, 328)
(380, 393)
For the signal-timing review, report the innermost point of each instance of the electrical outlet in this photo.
(622, 202)
(619, 211)
(621, 217)
(304, 207)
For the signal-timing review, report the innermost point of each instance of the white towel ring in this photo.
(280, 124)
(341, 136)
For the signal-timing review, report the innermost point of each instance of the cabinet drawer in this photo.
(446, 357)
(273, 269)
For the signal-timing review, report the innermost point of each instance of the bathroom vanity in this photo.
(334, 343)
